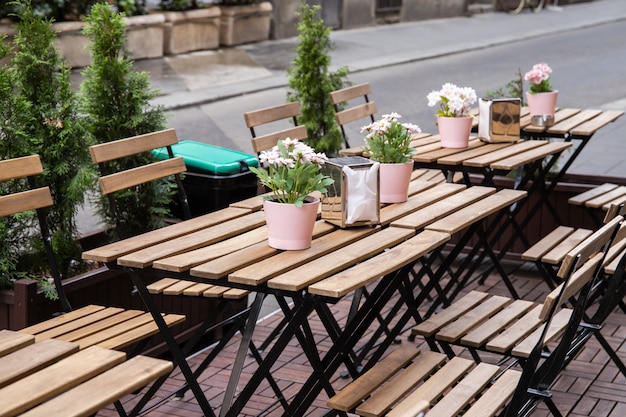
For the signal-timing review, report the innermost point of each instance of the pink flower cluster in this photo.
(538, 74)
(539, 78)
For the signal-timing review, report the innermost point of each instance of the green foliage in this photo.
(115, 100)
(512, 89)
(59, 10)
(14, 230)
(389, 141)
(177, 5)
(51, 127)
(311, 81)
(238, 2)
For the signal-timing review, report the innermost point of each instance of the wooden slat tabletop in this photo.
(390, 213)
(114, 250)
(590, 127)
(465, 216)
(222, 266)
(559, 116)
(533, 155)
(373, 268)
(262, 271)
(299, 278)
(216, 233)
(459, 157)
(566, 125)
(184, 261)
(442, 208)
(506, 152)
(435, 151)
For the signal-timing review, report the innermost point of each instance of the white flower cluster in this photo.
(294, 151)
(454, 101)
(381, 127)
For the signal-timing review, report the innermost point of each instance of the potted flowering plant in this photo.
(292, 171)
(542, 97)
(453, 116)
(389, 142)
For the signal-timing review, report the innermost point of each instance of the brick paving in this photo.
(590, 386)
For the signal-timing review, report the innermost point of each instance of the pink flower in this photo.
(539, 78)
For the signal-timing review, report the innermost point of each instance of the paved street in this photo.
(207, 92)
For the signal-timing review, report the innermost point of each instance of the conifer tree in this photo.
(51, 126)
(13, 229)
(311, 81)
(115, 99)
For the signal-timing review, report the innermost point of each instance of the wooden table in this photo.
(54, 378)
(571, 125)
(229, 248)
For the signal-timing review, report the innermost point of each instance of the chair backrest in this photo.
(34, 198)
(283, 116)
(579, 271)
(110, 181)
(343, 97)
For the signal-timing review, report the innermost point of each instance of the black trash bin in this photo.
(215, 176)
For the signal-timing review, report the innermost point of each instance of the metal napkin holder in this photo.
(499, 120)
(354, 199)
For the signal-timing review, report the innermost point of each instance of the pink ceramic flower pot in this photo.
(394, 182)
(290, 227)
(542, 107)
(454, 131)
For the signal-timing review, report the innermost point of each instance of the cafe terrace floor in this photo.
(590, 386)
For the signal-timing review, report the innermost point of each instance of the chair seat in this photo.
(407, 382)
(110, 327)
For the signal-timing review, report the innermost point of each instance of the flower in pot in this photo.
(453, 116)
(542, 97)
(389, 142)
(292, 171)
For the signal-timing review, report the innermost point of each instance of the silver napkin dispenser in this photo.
(499, 120)
(353, 200)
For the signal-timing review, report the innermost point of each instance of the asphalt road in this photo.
(589, 71)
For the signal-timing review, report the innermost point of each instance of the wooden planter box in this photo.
(25, 306)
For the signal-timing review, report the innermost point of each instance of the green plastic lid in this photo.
(210, 158)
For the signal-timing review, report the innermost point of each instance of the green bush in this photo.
(311, 81)
(42, 118)
(64, 10)
(115, 100)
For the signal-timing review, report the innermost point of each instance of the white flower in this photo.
(453, 101)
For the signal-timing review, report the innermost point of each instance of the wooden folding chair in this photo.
(347, 96)
(110, 182)
(104, 155)
(113, 179)
(548, 253)
(283, 117)
(542, 337)
(113, 328)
